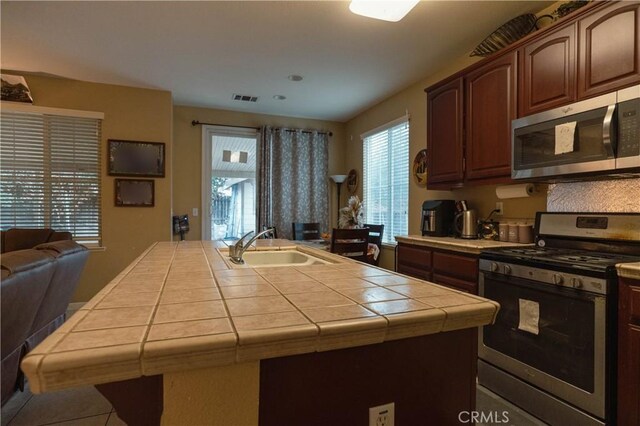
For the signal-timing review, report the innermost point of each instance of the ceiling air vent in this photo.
(245, 98)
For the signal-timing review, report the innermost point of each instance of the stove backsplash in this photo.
(622, 195)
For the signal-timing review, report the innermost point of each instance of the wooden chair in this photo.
(270, 235)
(375, 237)
(352, 243)
(305, 231)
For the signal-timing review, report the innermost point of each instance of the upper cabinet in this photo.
(548, 71)
(490, 106)
(609, 49)
(594, 51)
(444, 138)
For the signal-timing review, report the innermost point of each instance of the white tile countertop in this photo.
(182, 306)
(457, 244)
(629, 270)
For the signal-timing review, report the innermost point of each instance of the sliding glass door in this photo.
(229, 202)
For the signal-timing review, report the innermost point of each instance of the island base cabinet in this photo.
(431, 380)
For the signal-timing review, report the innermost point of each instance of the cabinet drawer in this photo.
(415, 256)
(465, 268)
(414, 272)
(458, 284)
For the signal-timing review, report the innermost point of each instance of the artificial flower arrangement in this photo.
(352, 216)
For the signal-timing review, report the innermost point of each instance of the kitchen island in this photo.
(182, 336)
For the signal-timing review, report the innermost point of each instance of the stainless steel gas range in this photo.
(552, 349)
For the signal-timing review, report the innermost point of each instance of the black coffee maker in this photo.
(437, 217)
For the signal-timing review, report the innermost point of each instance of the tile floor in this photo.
(83, 406)
(87, 407)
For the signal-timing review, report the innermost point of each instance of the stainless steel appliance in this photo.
(466, 224)
(596, 136)
(552, 349)
(437, 217)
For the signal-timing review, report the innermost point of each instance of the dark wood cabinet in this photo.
(629, 353)
(490, 106)
(444, 133)
(452, 269)
(609, 49)
(548, 72)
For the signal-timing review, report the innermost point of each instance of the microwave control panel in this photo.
(629, 128)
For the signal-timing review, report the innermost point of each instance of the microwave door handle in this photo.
(606, 131)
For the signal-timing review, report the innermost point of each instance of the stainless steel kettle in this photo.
(466, 224)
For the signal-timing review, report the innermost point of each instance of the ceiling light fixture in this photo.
(386, 10)
(279, 97)
(295, 77)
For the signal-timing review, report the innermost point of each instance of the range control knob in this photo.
(507, 270)
(576, 282)
(558, 279)
(494, 267)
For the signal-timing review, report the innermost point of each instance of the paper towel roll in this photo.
(516, 191)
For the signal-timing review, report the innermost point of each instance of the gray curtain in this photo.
(293, 171)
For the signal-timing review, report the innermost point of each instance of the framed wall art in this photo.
(135, 193)
(138, 159)
(420, 168)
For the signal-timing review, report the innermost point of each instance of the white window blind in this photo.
(386, 179)
(50, 174)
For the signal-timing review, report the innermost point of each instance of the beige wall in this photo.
(129, 113)
(187, 158)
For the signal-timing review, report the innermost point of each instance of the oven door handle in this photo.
(606, 130)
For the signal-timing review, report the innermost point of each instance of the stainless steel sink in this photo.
(280, 258)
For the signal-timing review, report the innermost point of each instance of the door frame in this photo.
(208, 131)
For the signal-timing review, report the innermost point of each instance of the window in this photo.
(50, 172)
(386, 178)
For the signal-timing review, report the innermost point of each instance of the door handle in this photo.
(606, 131)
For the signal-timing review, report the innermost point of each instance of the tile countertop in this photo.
(629, 270)
(181, 306)
(457, 244)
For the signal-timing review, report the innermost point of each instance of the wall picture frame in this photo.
(136, 158)
(134, 193)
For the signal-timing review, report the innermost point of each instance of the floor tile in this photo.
(114, 420)
(52, 407)
(14, 405)
(99, 420)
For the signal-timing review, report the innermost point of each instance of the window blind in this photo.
(50, 174)
(386, 179)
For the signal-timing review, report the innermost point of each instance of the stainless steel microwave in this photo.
(600, 135)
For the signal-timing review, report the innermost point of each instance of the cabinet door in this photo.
(491, 105)
(609, 49)
(548, 72)
(629, 353)
(444, 133)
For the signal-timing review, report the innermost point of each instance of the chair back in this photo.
(352, 243)
(375, 237)
(305, 231)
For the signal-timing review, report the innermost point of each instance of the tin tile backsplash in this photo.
(622, 195)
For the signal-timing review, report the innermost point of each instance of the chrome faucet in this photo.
(237, 250)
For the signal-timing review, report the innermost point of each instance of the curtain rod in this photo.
(196, 122)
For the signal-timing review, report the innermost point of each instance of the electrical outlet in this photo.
(382, 415)
(194, 212)
(500, 208)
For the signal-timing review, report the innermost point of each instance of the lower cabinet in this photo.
(448, 268)
(629, 353)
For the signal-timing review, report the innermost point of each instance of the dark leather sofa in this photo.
(40, 270)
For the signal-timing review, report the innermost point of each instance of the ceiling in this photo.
(205, 51)
(234, 144)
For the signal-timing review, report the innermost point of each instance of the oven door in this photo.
(561, 352)
(579, 138)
